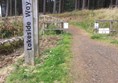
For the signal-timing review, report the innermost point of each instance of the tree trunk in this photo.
(83, 4)
(88, 4)
(7, 8)
(15, 8)
(50, 4)
(76, 4)
(111, 2)
(10, 7)
(59, 6)
(117, 3)
(62, 6)
(44, 6)
(54, 7)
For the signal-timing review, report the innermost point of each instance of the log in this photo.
(9, 45)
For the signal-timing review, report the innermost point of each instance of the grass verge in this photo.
(87, 26)
(83, 25)
(51, 69)
(100, 37)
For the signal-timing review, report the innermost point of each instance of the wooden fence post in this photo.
(0, 10)
(111, 24)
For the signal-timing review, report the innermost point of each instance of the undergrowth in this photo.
(114, 42)
(99, 36)
(51, 30)
(51, 69)
(8, 29)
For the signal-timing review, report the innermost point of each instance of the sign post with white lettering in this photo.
(28, 31)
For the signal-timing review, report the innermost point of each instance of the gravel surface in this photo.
(93, 61)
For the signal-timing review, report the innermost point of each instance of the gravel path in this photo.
(93, 61)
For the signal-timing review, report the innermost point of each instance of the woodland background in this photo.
(14, 7)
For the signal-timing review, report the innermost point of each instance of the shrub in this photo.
(100, 36)
(8, 29)
(114, 42)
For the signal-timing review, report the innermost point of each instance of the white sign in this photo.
(65, 25)
(28, 31)
(104, 31)
(96, 25)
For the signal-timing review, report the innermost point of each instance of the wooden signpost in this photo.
(36, 29)
(30, 23)
(0, 11)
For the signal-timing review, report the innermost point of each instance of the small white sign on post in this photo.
(28, 31)
(65, 25)
(96, 25)
(104, 31)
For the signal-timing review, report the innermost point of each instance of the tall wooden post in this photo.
(0, 10)
(28, 31)
(111, 24)
(36, 27)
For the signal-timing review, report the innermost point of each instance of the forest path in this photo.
(93, 61)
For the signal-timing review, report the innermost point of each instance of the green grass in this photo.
(114, 42)
(87, 26)
(53, 68)
(105, 38)
(100, 36)
(83, 25)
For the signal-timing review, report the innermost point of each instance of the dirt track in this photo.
(93, 61)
